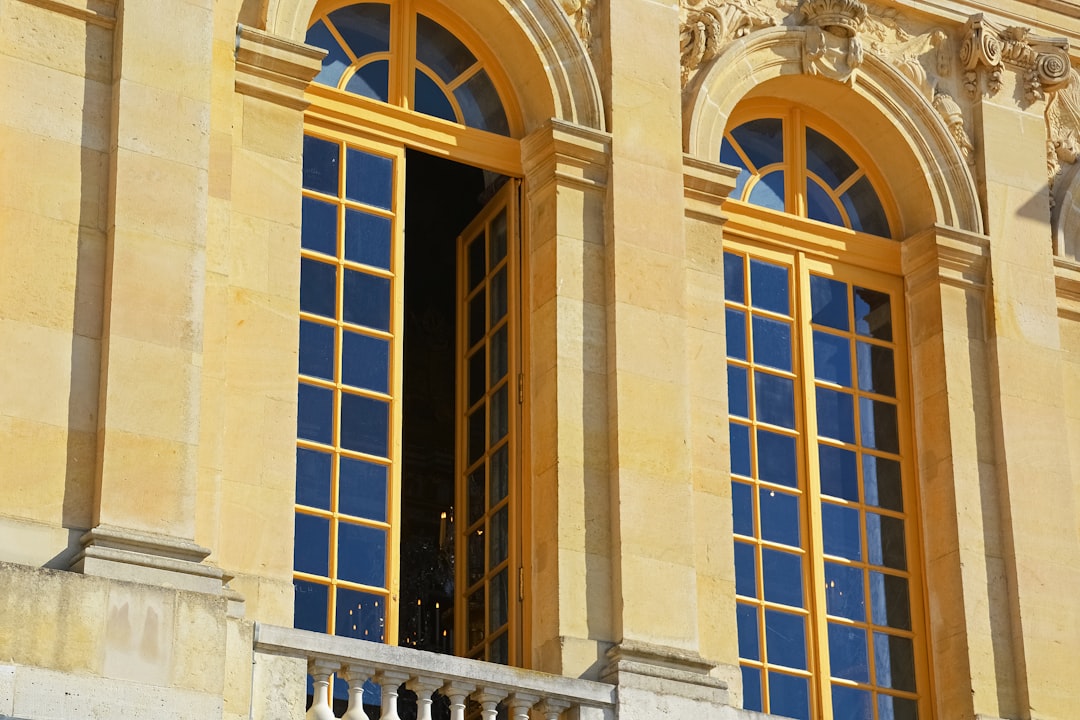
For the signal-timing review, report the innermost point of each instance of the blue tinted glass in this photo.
(768, 192)
(848, 658)
(785, 639)
(333, 64)
(740, 449)
(776, 458)
(762, 140)
(789, 696)
(365, 424)
(362, 489)
(440, 50)
(316, 350)
(748, 632)
(772, 342)
(839, 473)
(851, 703)
(309, 606)
(872, 313)
(738, 397)
(769, 286)
(321, 165)
(728, 156)
(734, 278)
(835, 415)
(362, 554)
(881, 483)
(313, 478)
(745, 574)
(889, 602)
(431, 100)
(742, 508)
(840, 531)
(876, 372)
(317, 287)
(865, 210)
(365, 27)
(844, 594)
(366, 300)
(365, 361)
(885, 541)
(311, 546)
(825, 159)
(318, 231)
(819, 206)
(751, 687)
(894, 708)
(314, 413)
(480, 105)
(371, 81)
(369, 178)
(781, 573)
(775, 400)
(894, 662)
(736, 333)
(828, 302)
(832, 358)
(360, 615)
(779, 517)
(877, 421)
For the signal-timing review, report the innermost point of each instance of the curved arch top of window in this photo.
(437, 74)
(788, 165)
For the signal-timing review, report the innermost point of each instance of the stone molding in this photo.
(944, 255)
(1067, 285)
(707, 29)
(566, 154)
(667, 669)
(274, 68)
(987, 48)
(580, 14)
(94, 12)
(705, 186)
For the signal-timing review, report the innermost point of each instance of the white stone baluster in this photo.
(552, 709)
(456, 692)
(356, 676)
(519, 705)
(389, 681)
(489, 698)
(423, 686)
(322, 674)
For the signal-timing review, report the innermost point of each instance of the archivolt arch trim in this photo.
(934, 185)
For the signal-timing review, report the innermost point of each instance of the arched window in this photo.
(829, 595)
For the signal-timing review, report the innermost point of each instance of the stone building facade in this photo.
(697, 359)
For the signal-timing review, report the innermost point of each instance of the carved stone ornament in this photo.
(954, 119)
(580, 13)
(707, 28)
(1063, 127)
(988, 48)
(833, 48)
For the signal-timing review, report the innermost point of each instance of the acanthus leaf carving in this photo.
(708, 28)
(1063, 126)
(580, 13)
(953, 116)
(1043, 62)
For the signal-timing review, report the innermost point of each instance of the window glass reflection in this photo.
(769, 287)
(313, 478)
(745, 574)
(365, 424)
(881, 483)
(885, 541)
(738, 391)
(840, 531)
(360, 615)
(781, 574)
(779, 517)
(839, 472)
(828, 302)
(316, 350)
(772, 343)
(318, 229)
(894, 662)
(777, 462)
(742, 508)
(748, 631)
(851, 703)
(362, 488)
(734, 289)
(872, 314)
(832, 358)
(774, 400)
(848, 658)
(365, 361)
(835, 415)
(889, 601)
(361, 556)
(789, 696)
(844, 595)
(785, 639)
(367, 238)
(736, 333)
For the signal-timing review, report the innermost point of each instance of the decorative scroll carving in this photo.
(832, 47)
(708, 28)
(580, 12)
(987, 48)
(954, 119)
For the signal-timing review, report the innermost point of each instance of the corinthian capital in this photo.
(988, 49)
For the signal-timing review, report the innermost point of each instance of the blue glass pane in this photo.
(740, 449)
(365, 361)
(789, 696)
(775, 399)
(360, 615)
(742, 508)
(876, 371)
(366, 300)
(832, 358)
(736, 333)
(746, 616)
(362, 489)
(734, 278)
(745, 574)
(480, 105)
(762, 140)
(769, 286)
(844, 594)
(431, 100)
(369, 178)
(894, 662)
(371, 80)
(777, 462)
(894, 708)
(785, 639)
(365, 425)
(738, 391)
(828, 302)
(889, 601)
(311, 545)
(365, 27)
(316, 350)
(848, 658)
(851, 703)
(885, 541)
(728, 156)
(313, 478)
(781, 573)
(877, 421)
(881, 483)
(779, 517)
(318, 231)
(772, 342)
(321, 159)
(309, 606)
(825, 159)
(314, 413)
(840, 531)
(440, 50)
(361, 554)
(865, 210)
(835, 415)
(335, 61)
(819, 206)
(872, 314)
(839, 473)
(751, 687)
(768, 191)
(317, 287)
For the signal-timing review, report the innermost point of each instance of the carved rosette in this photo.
(707, 30)
(1043, 62)
(833, 48)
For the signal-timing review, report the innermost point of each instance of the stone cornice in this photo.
(705, 186)
(988, 48)
(274, 68)
(1067, 284)
(567, 154)
(947, 256)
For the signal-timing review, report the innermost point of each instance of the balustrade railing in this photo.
(519, 692)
